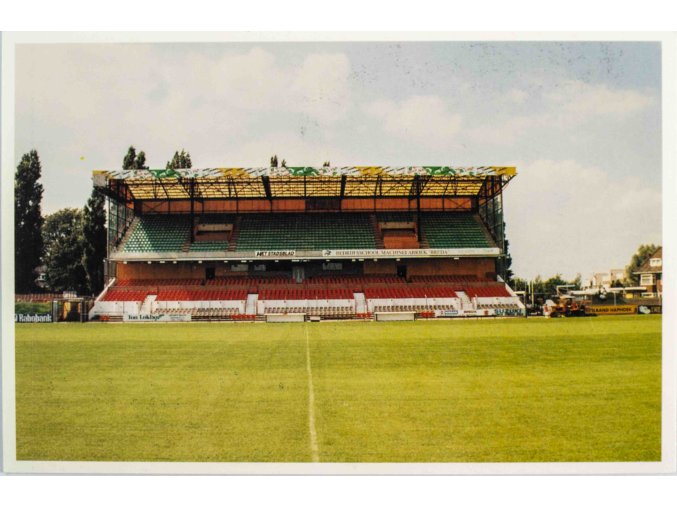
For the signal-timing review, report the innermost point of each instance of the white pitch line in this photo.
(314, 452)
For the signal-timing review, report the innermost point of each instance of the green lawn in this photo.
(583, 389)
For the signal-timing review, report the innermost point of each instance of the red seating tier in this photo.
(353, 279)
(124, 294)
(452, 279)
(201, 295)
(287, 294)
(408, 292)
(144, 282)
(496, 291)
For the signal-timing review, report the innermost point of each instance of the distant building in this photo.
(605, 279)
(651, 274)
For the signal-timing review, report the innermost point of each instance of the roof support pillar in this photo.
(417, 183)
(265, 181)
(343, 190)
(192, 210)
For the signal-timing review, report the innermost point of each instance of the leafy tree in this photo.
(141, 161)
(273, 161)
(643, 253)
(537, 285)
(550, 285)
(63, 238)
(133, 160)
(94, 241)
(129, 162)
(180, 161)
(326, 164)
(284, 163)
(519, 283)
(28, 245)
(507, 263)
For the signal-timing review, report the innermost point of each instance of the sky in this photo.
(581, 121)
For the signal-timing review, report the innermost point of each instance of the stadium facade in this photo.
(297, 243)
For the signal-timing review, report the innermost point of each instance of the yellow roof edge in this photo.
(507, 171)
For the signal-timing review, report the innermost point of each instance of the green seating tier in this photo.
(305, 232)
(297, 231)
(158, 233)
(453, 230)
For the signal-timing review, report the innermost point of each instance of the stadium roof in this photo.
(294, 182)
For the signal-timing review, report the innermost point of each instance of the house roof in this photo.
(646, 267)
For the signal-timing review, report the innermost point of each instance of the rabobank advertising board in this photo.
(32, 318)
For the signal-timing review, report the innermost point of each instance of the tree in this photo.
(28, 245)
(94, 241)
(180, 161)
(519, 283)
(326, 164)
(273, 161)
(507, 263)
(141, 161)
(283, 163)
(550, 285)
(134, 161)
(63, 239)
(537, 286)
(641, 256)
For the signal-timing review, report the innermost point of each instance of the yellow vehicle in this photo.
(566, 306)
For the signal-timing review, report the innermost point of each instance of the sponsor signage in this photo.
(611, 309)
(32, 317)
(309, 254)
(411, 252)
(160, 317)
(508, 312)
(648, 309)
(275, 253)
(446, 313)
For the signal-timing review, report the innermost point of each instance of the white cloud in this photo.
(322, 86)
(568, 106)
(507, 131)
(296, 149)
(584, 100)
(420, 119)
(255, 81)
(562, 215)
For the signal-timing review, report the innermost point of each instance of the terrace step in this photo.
(378, 235)
(360, 303)
(232, 243)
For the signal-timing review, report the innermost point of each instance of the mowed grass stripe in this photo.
(560, 390)
(505, 390)
(312, 431)
(169, 392)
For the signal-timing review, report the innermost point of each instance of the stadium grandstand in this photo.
(298, 243)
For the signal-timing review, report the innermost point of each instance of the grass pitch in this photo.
(534, 390)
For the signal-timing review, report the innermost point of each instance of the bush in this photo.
(30, 308)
